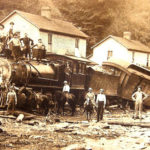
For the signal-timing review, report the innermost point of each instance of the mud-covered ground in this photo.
(67, 132)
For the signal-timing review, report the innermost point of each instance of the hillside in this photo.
(97, 18)
(31, 6)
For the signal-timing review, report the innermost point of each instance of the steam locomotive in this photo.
(48, 73)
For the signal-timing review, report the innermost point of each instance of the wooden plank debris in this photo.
(139, 124)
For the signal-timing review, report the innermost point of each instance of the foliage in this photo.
(97, 18)
(100, 18)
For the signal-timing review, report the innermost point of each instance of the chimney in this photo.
(46, 12)
(127, 35)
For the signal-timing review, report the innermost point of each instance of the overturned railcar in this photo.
(131, 76)
(101, 79)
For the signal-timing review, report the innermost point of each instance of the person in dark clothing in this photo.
(68, 73)
(11, 32)
(10, 35)
(26, 41)
(2, 38)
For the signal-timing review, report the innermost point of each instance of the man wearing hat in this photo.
(90, 96)
(40, 47)
(11, 30)
(66, 89)
(68, 72)
(16, 46)
(100, 103)
(11, 101)
(10, 34)
(2, 38)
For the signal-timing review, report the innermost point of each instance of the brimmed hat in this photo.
(90, 89)
(65, 82)
(101, 90)
(12, 23)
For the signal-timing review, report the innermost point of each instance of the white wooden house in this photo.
(123, 48)
(60, 37)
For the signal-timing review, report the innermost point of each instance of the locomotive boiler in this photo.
(32, 73)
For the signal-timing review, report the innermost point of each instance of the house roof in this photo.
(53, 25)
(129, 44)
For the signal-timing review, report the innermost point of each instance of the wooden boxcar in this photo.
(131, 76)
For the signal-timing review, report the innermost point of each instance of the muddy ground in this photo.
(67, 132)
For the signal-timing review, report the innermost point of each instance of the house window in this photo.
(133, 56)
(147, 60)
(110, 53)
(50, 38)
(76, 43)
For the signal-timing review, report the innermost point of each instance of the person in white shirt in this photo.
(66, 89)
(16, 46)
(139, 97)
(11, 101)
(90, 96)
(100, 104)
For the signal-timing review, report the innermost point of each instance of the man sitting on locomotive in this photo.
(40, 46)
(16, 46)
(26, 42)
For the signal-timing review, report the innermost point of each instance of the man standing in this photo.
(138, 97)
(16, 46)
(11, 101)
(68, 72)
(2, 38)
(11, 30)
(91, 96)
(101, 103)
(26, 41)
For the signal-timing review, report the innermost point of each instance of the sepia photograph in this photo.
(74, 74)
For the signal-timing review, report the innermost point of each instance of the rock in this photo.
(20, 118)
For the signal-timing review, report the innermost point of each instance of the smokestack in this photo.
(127, 35)
(46, 12)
